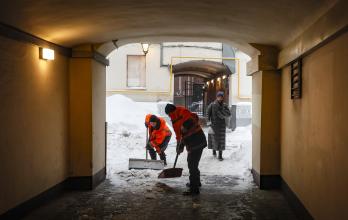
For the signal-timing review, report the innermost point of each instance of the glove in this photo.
(179, 148)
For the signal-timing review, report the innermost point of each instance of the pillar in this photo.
(87, 118)
(266, 117)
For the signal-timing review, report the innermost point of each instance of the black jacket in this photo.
(194, 140)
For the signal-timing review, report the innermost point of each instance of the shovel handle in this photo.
(176, 159)
(147, 139)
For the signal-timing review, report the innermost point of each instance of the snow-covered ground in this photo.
(127, 137)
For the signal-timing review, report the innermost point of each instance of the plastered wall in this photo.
(157, 77)
(270, 110)
(99, 111)
(33, 121)
(265, 122)
(80, 86)
(256, 121)
(314, 133)
(245, 81)
(87, 117)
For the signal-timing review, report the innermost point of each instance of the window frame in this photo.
(127, 74)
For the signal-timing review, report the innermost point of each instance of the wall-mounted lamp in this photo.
(219, 79)
(224, 76)
(114, 42)
(46, 54)
(145, 47)
(207, 83)
(212, 81)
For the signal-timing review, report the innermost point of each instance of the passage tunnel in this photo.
(52, 111)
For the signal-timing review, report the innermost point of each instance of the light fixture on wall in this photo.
(207, 83)
(212, 81)
(114, 42)
(46, 53)
(145, 47)
(224, 76)
(219, 79)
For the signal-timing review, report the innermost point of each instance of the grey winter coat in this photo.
(217, 114)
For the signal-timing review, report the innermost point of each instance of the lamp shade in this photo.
(145, 47)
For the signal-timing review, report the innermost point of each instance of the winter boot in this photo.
(220, 156)
(214, 153)
(191, 192)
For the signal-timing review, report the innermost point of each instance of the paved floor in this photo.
(222, 197)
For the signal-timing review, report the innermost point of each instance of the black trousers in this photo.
(163, 147)
(193, 159)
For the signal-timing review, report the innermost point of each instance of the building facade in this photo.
(147, 77)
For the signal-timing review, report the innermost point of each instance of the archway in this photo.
(128, 134)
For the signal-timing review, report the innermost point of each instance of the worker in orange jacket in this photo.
(159, 137)
(190, 134)
(147, 123)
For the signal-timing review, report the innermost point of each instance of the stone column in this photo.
(87, 117)
(266, 117)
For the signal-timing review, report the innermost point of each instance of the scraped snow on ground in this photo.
(127, 139)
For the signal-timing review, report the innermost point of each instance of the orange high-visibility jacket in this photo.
(178, 117)
(147, 123)
(158, 135)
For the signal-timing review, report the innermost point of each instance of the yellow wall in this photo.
(99, 111)
(265, 122)
(270, 124)
(314, 133)
(33, 120)
(87, 116)
(266, 108)
(256, 120)
(80, 86)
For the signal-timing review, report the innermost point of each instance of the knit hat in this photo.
(153, 118)
(220, 93)
(169, 108)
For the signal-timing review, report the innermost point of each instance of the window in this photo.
(136, 71)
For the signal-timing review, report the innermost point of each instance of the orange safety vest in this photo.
(179, 116)
(157, 136)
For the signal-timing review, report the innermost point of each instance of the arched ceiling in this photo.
(203, 68)
(75, 22)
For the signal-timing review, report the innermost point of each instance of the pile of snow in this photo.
(126, 130)
(127, 114)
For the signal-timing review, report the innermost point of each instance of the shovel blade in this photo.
(145, 164)
(171, 173)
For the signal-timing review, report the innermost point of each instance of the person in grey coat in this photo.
(217, 113)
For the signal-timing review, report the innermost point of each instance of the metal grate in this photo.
(296, 79)
(194, 97)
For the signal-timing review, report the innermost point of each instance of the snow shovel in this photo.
(141, 164)
(171, 172)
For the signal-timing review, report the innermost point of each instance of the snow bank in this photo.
(127, 114)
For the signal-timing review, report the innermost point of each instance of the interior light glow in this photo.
(46, 54)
